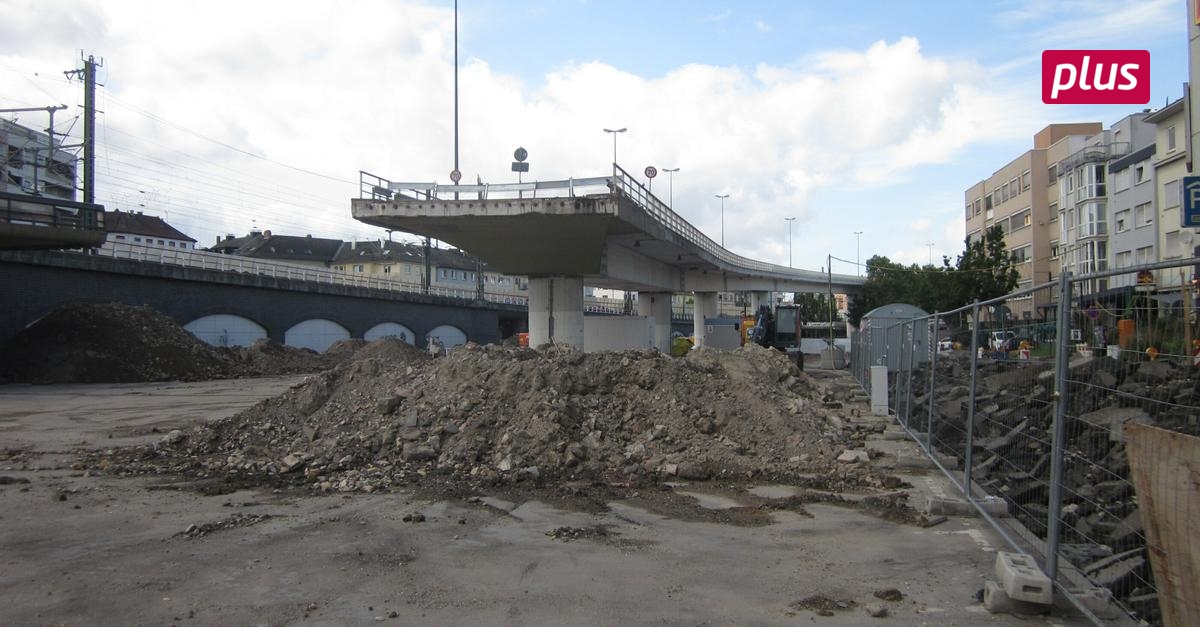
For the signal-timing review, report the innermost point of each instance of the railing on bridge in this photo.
(50, 212)
(621, 182)
(231, 263)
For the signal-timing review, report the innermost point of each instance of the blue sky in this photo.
(866, 116)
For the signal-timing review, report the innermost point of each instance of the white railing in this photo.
(205, 260)
(372, 186)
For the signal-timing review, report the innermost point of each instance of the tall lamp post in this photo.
(789, 221)
(722, 197)
(858, 251)
(614, 134)
(671, 182)
(930, 253)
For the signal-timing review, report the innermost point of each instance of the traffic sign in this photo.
(1191, 202)
(520, 154)
(455, 176)
(651, 171)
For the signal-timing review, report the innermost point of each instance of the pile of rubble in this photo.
(115, 343)
(488, 415)
(1014, 422)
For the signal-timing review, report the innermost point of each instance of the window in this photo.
(1171, 245)
(137, 239)
(969, 214)
(1171, 195)
(1144, 255)
(978, 208)
(1124, 259)
(1054, 250)
(1022, 219)
(358, 268)
(1022, 254)
(1054, 212)
(121, 238)
(1142, 215)
(1170, 138)
(1026, 180)
(183, 244)
(1121, 180)
(387, 269)
(171, 244)
(1121, 218)
(1139, 174)
(160, 242)
(1051, 174)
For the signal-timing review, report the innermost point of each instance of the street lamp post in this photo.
(614, 134)
(722, 197)
(930, 253)
(858, 251)
(789, 221)
(671, 182)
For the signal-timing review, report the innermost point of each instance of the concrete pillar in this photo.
(758, 299)
(556, 311)
(657, 305)
(706, 305)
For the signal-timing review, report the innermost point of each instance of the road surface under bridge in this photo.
(606, 231)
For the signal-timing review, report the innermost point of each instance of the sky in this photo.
(869, 117)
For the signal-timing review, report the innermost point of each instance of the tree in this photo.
(815, 307)
(984, 270)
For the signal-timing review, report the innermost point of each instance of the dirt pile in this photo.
(498, 415)
(108, 343)
(115, 343)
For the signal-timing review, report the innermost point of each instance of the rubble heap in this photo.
(494, 414)
(108, 343)
(115, 343)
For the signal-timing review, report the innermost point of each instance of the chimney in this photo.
(353, 244)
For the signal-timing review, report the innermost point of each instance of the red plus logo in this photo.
(1096, 76)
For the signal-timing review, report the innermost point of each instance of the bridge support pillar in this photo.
(657, 305)
(706, 306)
(556, 311)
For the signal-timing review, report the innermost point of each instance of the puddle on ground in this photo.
(711, 501)
(774, 491)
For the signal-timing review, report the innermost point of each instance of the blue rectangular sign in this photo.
(1191, 201)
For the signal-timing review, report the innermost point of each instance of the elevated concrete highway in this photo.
(604, 231)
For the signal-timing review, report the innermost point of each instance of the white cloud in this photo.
(310, 85)
(762, 26)
(920, 224)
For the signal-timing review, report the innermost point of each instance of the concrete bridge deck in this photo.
(606, 231)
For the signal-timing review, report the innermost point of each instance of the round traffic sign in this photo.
(455, 176)
(520, 154)
(651, 171)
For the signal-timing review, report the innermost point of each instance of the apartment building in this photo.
(1170, 165)
(29, 166)
(1133, 237)
(1022, 198)
(449, 268)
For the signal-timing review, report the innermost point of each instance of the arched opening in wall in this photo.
(317, 334)
(449, 336)
(226, 330)
(390, 329)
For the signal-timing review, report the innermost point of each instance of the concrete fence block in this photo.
(1022, 579)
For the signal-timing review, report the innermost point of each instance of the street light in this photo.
(671, 181)
(858, 251)
(722, 197)
(614, 134)
(789, 221)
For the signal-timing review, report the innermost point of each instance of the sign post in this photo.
(651, 172)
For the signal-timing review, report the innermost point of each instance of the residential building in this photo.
(449, 268)
(306, 250)
(29, 166)
(1170, 165)
(1022, 199)
(1133, 236)
(136, 228)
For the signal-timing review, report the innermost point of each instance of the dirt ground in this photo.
(81, 548)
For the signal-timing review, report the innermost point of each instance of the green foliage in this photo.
(984, 270)
(815, 307)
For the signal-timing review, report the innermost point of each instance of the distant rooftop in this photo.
(138, 223)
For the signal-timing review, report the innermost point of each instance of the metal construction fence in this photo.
(1028, 409)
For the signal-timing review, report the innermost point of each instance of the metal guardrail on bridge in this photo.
(622, 183)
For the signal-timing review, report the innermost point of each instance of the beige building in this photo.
(1170, 166)
(1022, 197)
